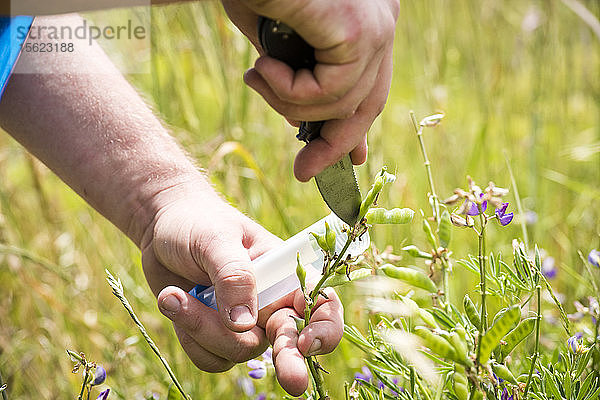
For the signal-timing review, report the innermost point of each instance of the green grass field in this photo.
(517, 80)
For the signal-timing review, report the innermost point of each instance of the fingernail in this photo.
(314, 347)
(241, 315)
(170, 304)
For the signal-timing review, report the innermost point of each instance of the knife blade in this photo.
(337, 183)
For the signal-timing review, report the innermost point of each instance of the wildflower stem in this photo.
(436, 204)
(85, 381)
(482, 278)
(117, 288)
(537, 339)
(427, 164)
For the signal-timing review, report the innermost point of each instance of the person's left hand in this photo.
(198, 239)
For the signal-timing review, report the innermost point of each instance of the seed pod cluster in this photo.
(517, 335)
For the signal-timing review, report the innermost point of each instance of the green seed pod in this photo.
(503, 372)
(300, 272)
(497, 331)
(394, 216)
(435, 343)
(427, 317)
(459, 375)
(477, 395)
(460, 330)
(472, 312)
(329, 239)
(410, 276)
(416, 252)
(429, 233)
(381, 179)
(445, 229)
(299, 323)
(517, 335)
(341, 279)
(460, 390)
(320, 241)
(460, 348)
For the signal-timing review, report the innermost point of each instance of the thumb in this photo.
(229, 268)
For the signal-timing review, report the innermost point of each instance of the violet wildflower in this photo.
(103, 395)
(549, 268)
(594, 258)
(365, 376)
(505, 395)
(474, 208)
(247, 386)
(503, 217)
(574, 346)
(99, 376)
(258, 369)
(261, 396)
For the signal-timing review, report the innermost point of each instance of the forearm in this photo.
(97, 135)
(50, 7)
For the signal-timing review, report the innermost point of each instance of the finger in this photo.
(202, 358)
(202, 331)
(311, 111)
(326, 327)
(339, 137)
(158, 277)
(289, 363)
(360, 152)
(229, 267)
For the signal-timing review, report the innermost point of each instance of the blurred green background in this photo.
(517, 80)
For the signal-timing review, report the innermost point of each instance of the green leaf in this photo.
(173, 393)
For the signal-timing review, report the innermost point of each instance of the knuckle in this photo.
(235, 274)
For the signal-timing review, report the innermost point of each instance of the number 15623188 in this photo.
(50, 47)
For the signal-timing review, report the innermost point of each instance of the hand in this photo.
(349, 86)
(197, 238)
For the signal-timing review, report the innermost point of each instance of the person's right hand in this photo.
(353, 47)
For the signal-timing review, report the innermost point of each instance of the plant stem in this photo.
(83, 385)
(117, 288)
(312, 301)
(537, 339)
(427, 164)
(482, 278)
(436, 204)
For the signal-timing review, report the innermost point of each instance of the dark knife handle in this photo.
(284, 44)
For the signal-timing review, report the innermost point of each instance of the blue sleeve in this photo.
(13, 32)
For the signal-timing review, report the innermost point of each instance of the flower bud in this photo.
(300, 272)
(99, 376)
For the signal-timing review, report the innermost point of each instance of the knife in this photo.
(337, 183)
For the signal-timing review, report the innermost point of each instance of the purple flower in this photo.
(594, 258)
(247, 386)
(365, 376)
(505, 395)
(474, 209)
(99, 376)
(549, 268)
(504, 218)
(103, 395)
(261, 396)
(574, 346)
(258, 369)
(267, 356)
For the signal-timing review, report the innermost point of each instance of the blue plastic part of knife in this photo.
(206, 294)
